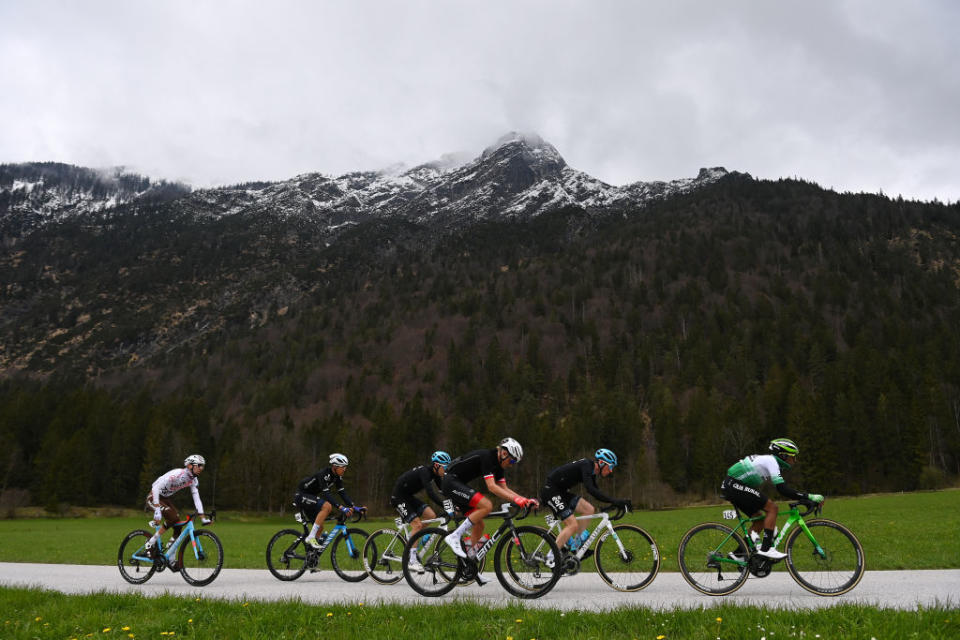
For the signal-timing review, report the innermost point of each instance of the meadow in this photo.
(898, 531)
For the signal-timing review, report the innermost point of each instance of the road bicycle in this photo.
(626, 556)
(289, 557)
(199, 562)
(383, 551)
(823, 556)
(431, 567)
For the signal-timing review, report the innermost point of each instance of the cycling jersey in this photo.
(416, 480)
(171, 482)
(569, 475)
(482, 462)
(754, 470)
(322, 483)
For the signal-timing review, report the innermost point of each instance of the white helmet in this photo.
(513, 448)
(338, 460)
(195, 458)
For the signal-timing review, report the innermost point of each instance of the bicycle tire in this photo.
(634, 568)
(521, 564)
(131, 557)
(383, 555)
(440, 568)
(348, 562)
(200, 564)
(832, 574)
(287, 555)
(704, 551)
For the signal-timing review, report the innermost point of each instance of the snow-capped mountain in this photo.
(519, 175)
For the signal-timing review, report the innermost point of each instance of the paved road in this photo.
(887, 589)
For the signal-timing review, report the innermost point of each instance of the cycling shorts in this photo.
(408, 507)
(308, 503)
(562, 503)
(463, 496)
(747, 499)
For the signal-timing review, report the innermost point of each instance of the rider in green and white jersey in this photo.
(742, 488)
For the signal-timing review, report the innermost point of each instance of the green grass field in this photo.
(898, 531)
(43, 614)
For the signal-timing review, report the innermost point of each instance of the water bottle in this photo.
(583, 536)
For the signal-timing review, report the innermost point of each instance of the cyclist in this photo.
(742, 488)
(411, 508)
(565, 505)
(165, 514)
(490, 464)
(314, 496)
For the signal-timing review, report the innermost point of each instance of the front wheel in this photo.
(135, 564)
(383, 556)
(287, 555)
(430, 566)
(713, 559)
(628, 558)
(527, 562)
(201, 561)
(828, 561)
(346, 555)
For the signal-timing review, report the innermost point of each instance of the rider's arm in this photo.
(790, 492)
(589, 482)
(500, 488)
(429, 485)
(195, 492)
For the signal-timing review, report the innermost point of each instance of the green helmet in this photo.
(782, 447)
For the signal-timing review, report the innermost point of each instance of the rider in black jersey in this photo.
(488, 463)
(404, 500)
(566, 505)
(314, 496)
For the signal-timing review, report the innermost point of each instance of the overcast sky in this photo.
(856, 95)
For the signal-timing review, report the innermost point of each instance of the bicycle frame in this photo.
(171, 551)
(507, 525)
(794, 518)
(554, 526)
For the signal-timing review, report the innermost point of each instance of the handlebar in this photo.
(809, 506)
(212, 516)
(618, 510)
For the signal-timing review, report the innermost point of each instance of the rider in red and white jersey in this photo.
(168, 484)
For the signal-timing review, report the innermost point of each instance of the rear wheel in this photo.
(287, 555)
(525, 562)
(829, 567)
(430, 566)
(200, 562)
(346, 555)
(135, 564)
(383, 555)
(713, 559)
(627, 559)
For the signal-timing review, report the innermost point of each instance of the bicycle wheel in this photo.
(834, 568)
(521, 562)
(710, 557)
(287, 555)
(200, 562)
(628, 559)
(430, 566)
(383, 555)
(346, 555)
(134, 562)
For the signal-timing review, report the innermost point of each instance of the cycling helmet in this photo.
(513, 448)
(338, 460)
(607, 456)
(782, 447)
(195, 458)
(442, 458)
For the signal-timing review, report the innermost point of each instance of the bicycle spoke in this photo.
(832, 566)
(712, 560)
(628, 559)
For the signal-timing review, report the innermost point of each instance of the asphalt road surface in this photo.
(886, 589)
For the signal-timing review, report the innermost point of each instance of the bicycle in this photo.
(289, 557)
(627, 557)
(823, 556)
(520, 560)
(199, 562)
(383, 550)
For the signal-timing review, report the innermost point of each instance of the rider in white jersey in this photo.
(168, 484)
(742, 488)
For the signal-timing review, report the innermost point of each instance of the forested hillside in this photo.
(682, 335)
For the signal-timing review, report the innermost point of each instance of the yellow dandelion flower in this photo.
(106, 629)
(37, 619)
(519, 620)
(125, 629)
(197, 600)
(246, 604)
(719, 619)
(130, 635)
(509, 637)
(190, 621)
(661, 637)
(329, 614)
